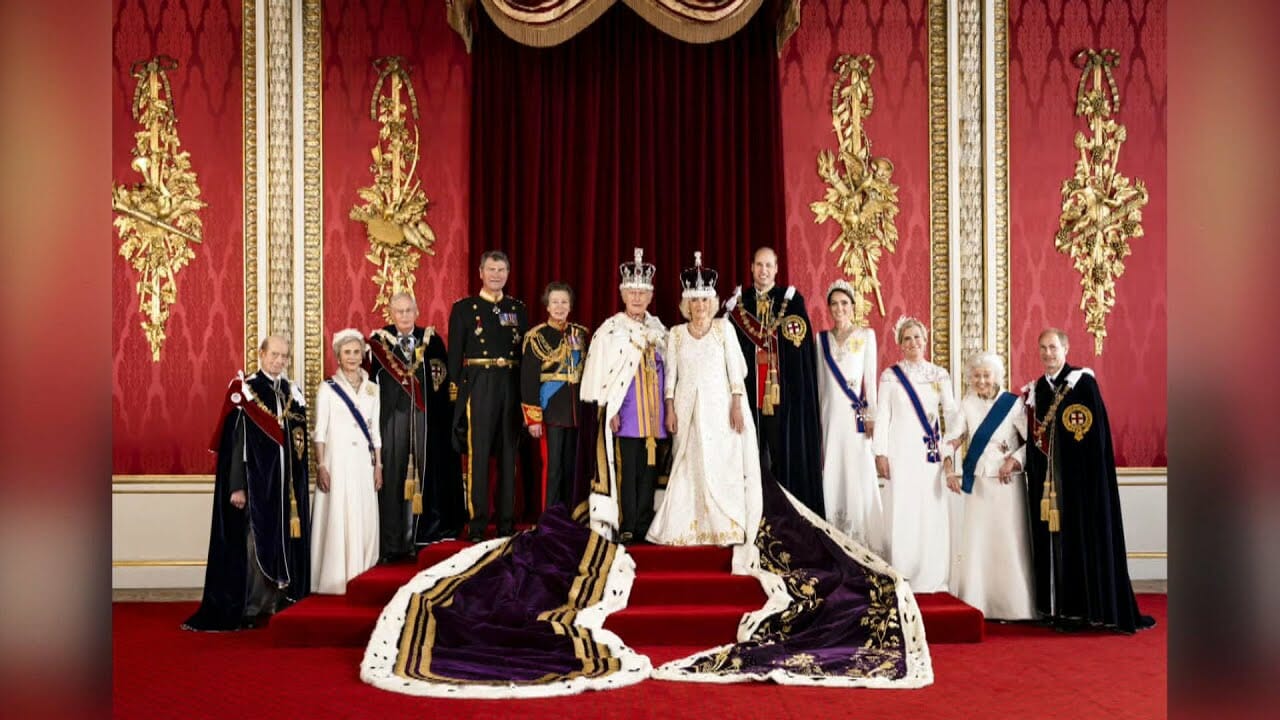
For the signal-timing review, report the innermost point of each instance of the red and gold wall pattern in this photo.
(163, 413)
(1045, 289)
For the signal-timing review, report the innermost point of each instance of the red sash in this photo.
(394, 365)
(237, 398)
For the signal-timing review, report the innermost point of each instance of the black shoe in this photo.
(476, 539)
(625, 538)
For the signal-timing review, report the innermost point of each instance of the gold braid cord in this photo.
(1101, 210)
(157, 218)
(394, 206)
(860, 195)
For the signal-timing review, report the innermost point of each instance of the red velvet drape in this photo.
(620, 138)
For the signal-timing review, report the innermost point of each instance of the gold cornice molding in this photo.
(1139, 470)
(157, 563)
(249, 104)
(939, 199)
(198, 479)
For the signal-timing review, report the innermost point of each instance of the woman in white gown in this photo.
(908, 450)
(846, 405)
(344, 521)
(992, 569)
(714, 452)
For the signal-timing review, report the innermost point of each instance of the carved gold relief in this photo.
(860, 195)
(1101, 208)
(395, 206)
(158, 217)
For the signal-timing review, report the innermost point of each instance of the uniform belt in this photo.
(565, 377)
(490, 362)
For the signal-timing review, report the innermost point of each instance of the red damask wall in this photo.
(1045, 289)
(895, 34)
(355, 33)
(163, 413)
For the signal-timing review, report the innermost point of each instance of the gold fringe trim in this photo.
(697, 27)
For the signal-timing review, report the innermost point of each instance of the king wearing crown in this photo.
(624, 376)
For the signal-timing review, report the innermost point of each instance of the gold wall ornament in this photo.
(860, 195)
(395, 206)
(158, 217)
(1101, 209)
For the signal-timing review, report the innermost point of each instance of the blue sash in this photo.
(858, 403)
(354, 412)
(550, 387)
(931, 434)
(982, 436)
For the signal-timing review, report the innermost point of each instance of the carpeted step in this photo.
(695, 588)
(949, 620)
(705, 625)
(659, 558)
(323, 620)
(378, 584)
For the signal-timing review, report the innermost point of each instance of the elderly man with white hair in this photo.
(992, 568)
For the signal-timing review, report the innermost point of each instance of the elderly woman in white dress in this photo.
(344, 523)
(915, 399)
(715, 469)
(846, 405)
(992, 569)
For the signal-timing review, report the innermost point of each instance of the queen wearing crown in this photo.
(715, 468)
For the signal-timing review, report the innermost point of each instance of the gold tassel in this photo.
(651, 445)
(295, 523)
(410, 479)
(417, 503)
(1054, 522)
(1044, 502)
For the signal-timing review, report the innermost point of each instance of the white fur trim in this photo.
(790, 293)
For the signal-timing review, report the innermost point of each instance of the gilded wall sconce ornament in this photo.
(158, 217)
(1101, 208)
(860, 194)
(394, 206)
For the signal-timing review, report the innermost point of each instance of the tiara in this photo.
(698, 281)
(637, 275)
(903, 320)
(843, 286)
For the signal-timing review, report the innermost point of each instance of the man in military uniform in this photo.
(776, 336)
(1077, 536)
(549, 378)
(485, 335)
(259, 541)
(420, 501)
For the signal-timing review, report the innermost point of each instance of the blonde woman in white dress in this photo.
(344, 522)
(992, 569)
(908, 448)
(715, 469)
(846, 405)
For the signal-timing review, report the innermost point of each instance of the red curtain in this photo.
(623, 137)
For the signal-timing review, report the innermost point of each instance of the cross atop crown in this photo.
(637, 275)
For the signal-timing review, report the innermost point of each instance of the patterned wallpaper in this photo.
(163, 414)
(1045, 290)
(895, 34)
(355, 33)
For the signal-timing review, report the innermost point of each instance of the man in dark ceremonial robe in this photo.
(259, 541)
(1078, 548)
(550, 375)
(410, 365)
(776, 336)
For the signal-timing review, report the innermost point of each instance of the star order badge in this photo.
(1077, 419)
(794, 329)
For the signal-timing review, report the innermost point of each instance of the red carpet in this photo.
(681, 596)
(1017, 672)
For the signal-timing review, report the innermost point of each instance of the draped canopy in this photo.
(542, 23)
